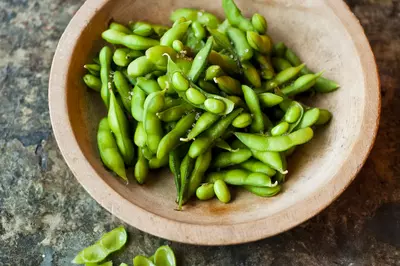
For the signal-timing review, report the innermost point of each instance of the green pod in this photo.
(156, 163)
(204, 18)
(185, 64)
(198, 30)
(141, 171)
(242, 47)
(253, 103)
(324, 117)
(293, 113)
(221, 41)
(237, 101)
(142, 261)
(171, 102)
(178, 46)
(280, 129)
(195, 96)
(156, 55)
(200, 167)
(322, 84)
(256, 166)
(134, 42)
(120, 28)
(267, 70)
(279, 50)
(251, 75)
(205, 191)
(174, 113)
(93, 69)
(263, 191)
(200, 61)
(276, 143)
(260, 43)
(206, 140)
(259, 23)
(123, 56)
(223, 145)
(222, 191)
(214, 106)
(301, 84)
(172, 139)
(309, 118)
(241, 177)
(175, 165)
(177, 32)
(242, 121)
(225, 62)
(142, 28)
(272, 159)
(283, 77)
(147, 153)
(92, 82)
(140, 138)
(213, 71)
(124, 89)
(209, 87)
(235, 17)
(151, 123)
(141, 66)
(224, 26)
(229, 85)
(280, 64)
(225, 159)
(281, 175)
(148, 85)
(205, 121)
(186, 170)
(268, 99)
(137, 104)
(164, 256)
(105, 73)
(267, 123)
(160, 29)
(163, 82)
(194, 44)
(120, 127)
(108, 148)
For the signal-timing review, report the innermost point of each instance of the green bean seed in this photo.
(280, 129)
(214, 106)
(195, 96)
(213, 71)
(92, 82)
(222, 191)
(179, 82)
(309, 118)
(242, 121)
(205, 192)
(293, 113)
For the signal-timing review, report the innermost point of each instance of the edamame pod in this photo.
(200, 61)
(241, 177)
(200, 167)
(134, 42)
(225, 159)
(263, 191)
(256, 166)
(105, 72)
(141, 168)
(253, 103)
(222, 191)
(175, 33)
(124, 89)
(235, 17)
(137, 104)
(205, 191)
(229, 85)
(92, 82)
(242, 47)
(205, 121)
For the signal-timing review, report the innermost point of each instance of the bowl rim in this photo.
(209, 234)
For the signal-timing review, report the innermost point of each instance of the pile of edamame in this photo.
(96, 254)
(213, 100)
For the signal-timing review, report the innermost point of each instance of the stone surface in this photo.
(46, 217)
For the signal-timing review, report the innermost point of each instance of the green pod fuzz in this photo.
(259, 23)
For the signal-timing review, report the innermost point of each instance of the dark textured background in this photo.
(46, 216)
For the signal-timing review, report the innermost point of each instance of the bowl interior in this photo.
(314, 31)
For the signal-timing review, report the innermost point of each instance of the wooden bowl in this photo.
(324, 33)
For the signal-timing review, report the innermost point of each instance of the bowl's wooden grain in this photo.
(326, 35)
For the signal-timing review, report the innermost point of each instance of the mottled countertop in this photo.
(46, 216)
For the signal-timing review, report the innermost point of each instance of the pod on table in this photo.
(132, 41)
(235, 17)
(92, 82)
(172, 139)
(241, 177)
(205, 191)
(276, 143)
(164, 256)
(253, 103)
(222, 191)
(225, 159)
(202, 143)
(140, 260)
(108, 148)
(120, 127)
(200, 167)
